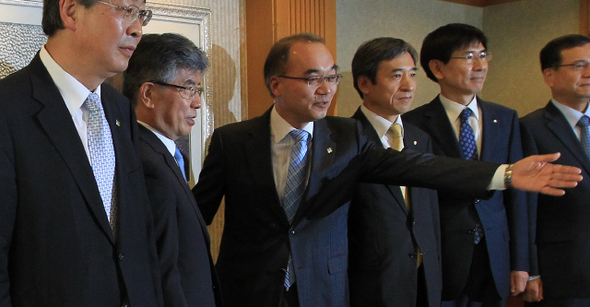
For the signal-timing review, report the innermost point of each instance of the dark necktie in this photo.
(583, 123)
(180, 161)
(466, 136)
(102, 155)
(295, 187)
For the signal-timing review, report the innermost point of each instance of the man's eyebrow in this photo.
(315, 70)
(414, 68)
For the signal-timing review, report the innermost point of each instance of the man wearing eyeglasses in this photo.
(76, 225)
(163, 82)
(484, 242)
(560, 274)
(288, 177)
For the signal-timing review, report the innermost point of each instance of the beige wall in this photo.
(516, 32)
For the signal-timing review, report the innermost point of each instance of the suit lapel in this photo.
(372, 135)
(55, 119)
(157, 145)
(322, 156)
(558, 125)
(440, 129)
(258, 154)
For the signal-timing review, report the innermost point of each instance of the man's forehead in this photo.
(310, 57)
(582, 52)
(474, 46)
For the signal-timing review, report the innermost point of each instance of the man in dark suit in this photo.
(285, 240)
(163, 81)
(484, 242)
(562, 276)
(394, 232)
(76, 224)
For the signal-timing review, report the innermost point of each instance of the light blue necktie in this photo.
(583, 123)
(102, 154)
(180, 160)
(466, 136)
(295, 187)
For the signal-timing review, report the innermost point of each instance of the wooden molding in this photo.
(480, 3)
(584, 12)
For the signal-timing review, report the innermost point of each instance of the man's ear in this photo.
(549, 76)
(363, 83)
(68, 11)
(437, 66)
(145, 96)
(274, 86)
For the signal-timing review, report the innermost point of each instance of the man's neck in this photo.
(576, 104)
(383, 112)
(72, 63)
(463, 99)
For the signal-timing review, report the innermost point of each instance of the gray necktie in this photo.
(102, 155)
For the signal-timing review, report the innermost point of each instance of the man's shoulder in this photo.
(492, 106)
(533, 117)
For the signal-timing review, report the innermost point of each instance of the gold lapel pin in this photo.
(495, 121)
(118, 123)
(415, 143)
(329, 150)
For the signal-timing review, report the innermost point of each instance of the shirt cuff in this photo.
(497, 182)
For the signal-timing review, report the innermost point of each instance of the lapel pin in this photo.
(415, 143)
(495, 121)
(118, 123)
(329, 150)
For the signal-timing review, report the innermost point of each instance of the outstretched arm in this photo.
(537, 174)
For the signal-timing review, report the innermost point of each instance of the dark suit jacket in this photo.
(383, 236)
(57, 248)
(188, 274)
(562, 236)
(503, 217)
(257, 237)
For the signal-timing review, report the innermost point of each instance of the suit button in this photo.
(121, 256)
(412, 255)
(291, 232)
(125, 305)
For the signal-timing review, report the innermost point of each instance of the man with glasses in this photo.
(76, 225)
(163, 82)
(559, 265)
(288, 177)
(484, 242)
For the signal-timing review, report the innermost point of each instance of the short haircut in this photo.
(551, 54)
(279, 55)
(442, 42)
(51, 20)
(157, 58)
(371, 53)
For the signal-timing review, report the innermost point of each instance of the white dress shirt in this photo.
(572, 116)
(73, 93)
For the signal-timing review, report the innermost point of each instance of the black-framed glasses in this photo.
(578, 65)
(469, 57)
(186, 92)
(317, 81)
(132, 12)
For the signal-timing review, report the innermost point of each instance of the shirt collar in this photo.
(170, 145)
(454, 109)
(572, 116)
(73, 92)
(279, 127)
(380, 124)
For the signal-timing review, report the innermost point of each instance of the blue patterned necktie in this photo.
(180, 160)
(466, 136)
(295, 187)
(469, 152)
(102, 154)
(583, 123)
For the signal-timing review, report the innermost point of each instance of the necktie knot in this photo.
(299, 135)
(180, 161)
(584, 121)
(396, 141)
(465, 115)
(93, 103)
